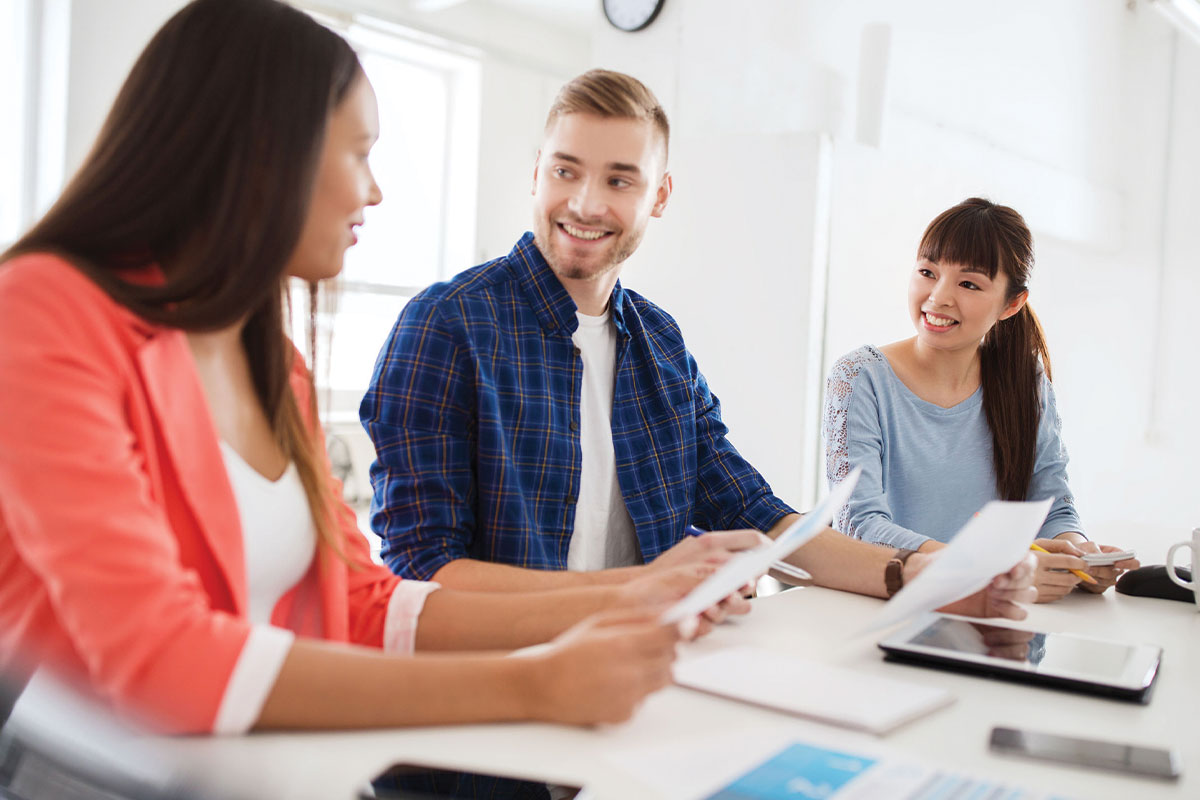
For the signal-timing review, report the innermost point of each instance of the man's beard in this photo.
(574, 269)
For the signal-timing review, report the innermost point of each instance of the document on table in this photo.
(811, 689)
(992, 542)
(803, 771)
(750, 564)
(775, 761)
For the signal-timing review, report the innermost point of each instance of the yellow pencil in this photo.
(1078, 572)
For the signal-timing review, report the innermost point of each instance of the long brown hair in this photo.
(994, 239)
(205, 166)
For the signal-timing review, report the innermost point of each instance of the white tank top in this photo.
(278, 534)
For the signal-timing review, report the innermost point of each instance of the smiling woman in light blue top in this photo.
(926, 469)
(963, 412)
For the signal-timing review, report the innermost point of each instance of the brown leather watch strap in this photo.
(893, 574)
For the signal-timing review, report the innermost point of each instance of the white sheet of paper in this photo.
(749, 564)
(824, 692)
(992, 542)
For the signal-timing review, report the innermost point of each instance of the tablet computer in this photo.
(1066, 661)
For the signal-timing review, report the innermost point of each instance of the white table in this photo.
(812, 622)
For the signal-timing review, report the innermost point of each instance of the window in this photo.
(13, 97)
(426, 163)
(34, 36)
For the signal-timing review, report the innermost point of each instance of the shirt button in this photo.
(574, 425)
(578, 352)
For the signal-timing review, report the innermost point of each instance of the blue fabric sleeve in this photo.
(730, 493)
(854, 438)
(418, 412)
(1050, 470)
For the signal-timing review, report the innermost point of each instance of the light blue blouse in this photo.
(926, 469)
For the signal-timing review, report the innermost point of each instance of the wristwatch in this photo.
(893, 575)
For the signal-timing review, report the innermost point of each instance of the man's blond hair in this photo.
(612, 95)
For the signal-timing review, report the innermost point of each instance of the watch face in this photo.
(632, 15)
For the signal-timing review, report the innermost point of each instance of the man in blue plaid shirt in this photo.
(537, 425)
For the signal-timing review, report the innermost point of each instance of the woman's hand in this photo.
(1053, 578)
(1004, 597)
(1105, 576)
(601, 669)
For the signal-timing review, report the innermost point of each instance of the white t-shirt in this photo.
(604, 535)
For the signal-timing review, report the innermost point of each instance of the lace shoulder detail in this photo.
(838, 390)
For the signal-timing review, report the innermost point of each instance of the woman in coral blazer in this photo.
(141, 331)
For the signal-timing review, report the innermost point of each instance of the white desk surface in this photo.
(812, 622)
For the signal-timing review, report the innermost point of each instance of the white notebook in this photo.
(810, 689)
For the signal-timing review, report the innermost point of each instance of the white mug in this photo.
(1194, 546)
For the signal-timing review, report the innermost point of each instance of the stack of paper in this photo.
(811, 689)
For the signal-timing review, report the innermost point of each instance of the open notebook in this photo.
(823, 692)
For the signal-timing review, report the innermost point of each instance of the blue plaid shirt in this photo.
(474, 412)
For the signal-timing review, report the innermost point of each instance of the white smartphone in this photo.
(1107, 559)
(1130, 758)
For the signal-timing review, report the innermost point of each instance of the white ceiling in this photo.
(575, 15)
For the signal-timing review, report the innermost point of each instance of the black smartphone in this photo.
(410, 781)
(1133, 759)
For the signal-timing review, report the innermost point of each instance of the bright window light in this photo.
(14, 97)
(1183, 14)
(426, 164)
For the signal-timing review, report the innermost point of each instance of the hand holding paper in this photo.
(988, 545)
(750, 564)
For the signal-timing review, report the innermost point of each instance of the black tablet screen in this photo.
(1027, 650)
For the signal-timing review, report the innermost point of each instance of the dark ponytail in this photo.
(995, 239)
(1008, 363)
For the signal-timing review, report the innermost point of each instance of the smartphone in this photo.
(1107, 559)
(411, 781)
(1134, 759)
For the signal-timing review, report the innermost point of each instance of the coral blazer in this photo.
(121, 553)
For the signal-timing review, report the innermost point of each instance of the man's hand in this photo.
(715, 548)
(664, 587)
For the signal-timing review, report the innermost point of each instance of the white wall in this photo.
(106, 38)
(1059, 109)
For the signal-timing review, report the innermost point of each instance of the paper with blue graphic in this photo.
(805, 772)
(801, 772)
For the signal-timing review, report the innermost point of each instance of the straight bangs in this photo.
(965, 236)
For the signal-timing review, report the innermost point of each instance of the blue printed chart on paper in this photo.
(805, 772)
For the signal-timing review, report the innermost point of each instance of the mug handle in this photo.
(1171, 566)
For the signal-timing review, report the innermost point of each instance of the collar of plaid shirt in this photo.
(550, 300)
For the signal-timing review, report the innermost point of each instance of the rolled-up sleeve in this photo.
(253, 677)
(404, 610)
